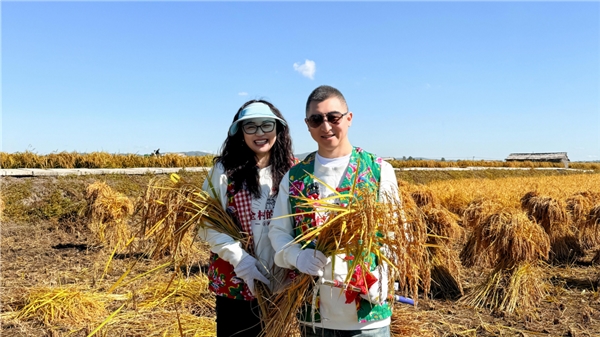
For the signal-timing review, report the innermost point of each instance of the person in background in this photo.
(336, 164)
(254, 158)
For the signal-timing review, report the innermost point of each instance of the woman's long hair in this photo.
(239, 161)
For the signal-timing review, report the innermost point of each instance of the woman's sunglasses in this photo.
(252, 128)
(314, 121)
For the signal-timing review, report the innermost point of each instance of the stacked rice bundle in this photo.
(478, 211)
(551, 214)
(108, 212)
(170, 215)
(593, 223)
(442, 232)
(579, 207)
(515, 246)
(358, 225)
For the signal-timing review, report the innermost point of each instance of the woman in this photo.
(245, 178)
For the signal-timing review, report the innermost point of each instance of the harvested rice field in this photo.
(505, 256)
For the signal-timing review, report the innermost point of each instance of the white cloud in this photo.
(307, 69)
(243, 93)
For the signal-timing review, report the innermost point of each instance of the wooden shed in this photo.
(552, 157)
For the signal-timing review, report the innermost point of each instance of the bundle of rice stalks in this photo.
(69, 306)
(515, 244)
(590, 229)
(477, 211)
(511, 290)
(445, 272)
(442, 232)
(423, 197)
(108, 212)
(357, 226)
(552, 216)
(171, 212)
(579, 208)
(415, 222)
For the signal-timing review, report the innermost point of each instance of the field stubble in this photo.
(46, 243)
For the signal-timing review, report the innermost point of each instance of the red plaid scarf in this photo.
(242, 201)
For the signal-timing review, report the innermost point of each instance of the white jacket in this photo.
(225, 246)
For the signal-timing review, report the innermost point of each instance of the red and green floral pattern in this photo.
(364, 171)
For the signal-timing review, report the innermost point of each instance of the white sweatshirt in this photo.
(225, 246)
(335, 313)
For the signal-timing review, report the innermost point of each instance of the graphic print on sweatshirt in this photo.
(262, 211)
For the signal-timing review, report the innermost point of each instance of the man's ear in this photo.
(349, 116)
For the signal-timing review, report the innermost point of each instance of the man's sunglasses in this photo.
(333, 117)
(252, 128)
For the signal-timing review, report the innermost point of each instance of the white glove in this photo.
(373, 296)
(247, 271)
(311, 261)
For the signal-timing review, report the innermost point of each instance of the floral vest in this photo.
(222, 278)
(364, 170)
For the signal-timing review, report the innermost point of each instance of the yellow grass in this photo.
(457, 194)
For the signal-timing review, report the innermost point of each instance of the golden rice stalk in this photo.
(590, 229)
(515, 289)
(357, 225)
(172, 212)
(108, 212)
(67, 305)
(551, 214)
(445, 273)
(478, 210)
(470, 257)
(511, 238)
(579, 207)
(442, 226)
(415, 223)
(424, 197)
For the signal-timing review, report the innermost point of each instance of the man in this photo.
(336, 163)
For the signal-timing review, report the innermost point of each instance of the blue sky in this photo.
(458, 80)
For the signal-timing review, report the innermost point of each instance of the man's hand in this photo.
(311, 261)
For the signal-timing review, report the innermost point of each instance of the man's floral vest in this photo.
(364, 170)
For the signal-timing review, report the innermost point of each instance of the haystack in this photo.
(579, 207)
(169, 221)
(551, 214)
(515, 245)
(477, 212)
(108, 212)
(442, 233)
